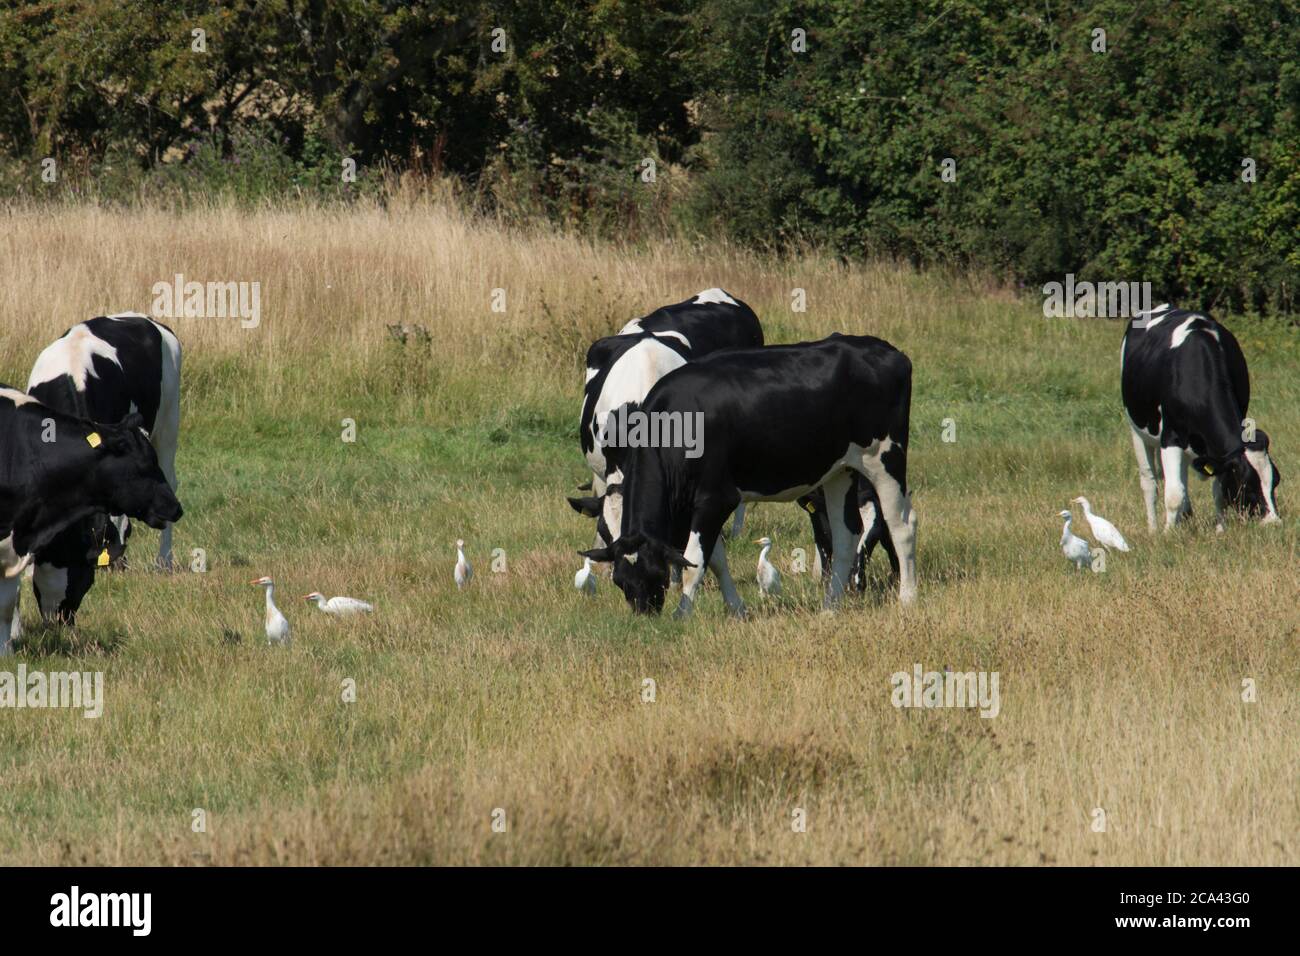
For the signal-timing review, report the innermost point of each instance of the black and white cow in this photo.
(55, 471)
(622, 368)
(777, 423)
(1186, 391)
(103, 370)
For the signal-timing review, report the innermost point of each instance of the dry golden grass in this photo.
(1119, 690)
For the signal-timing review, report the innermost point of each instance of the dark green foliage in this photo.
(1122, 165)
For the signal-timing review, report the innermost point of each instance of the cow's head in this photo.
(129, 479)
(1248, 479)
(641, 569)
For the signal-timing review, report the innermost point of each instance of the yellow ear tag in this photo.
(1209, 469)
(103, 558)
(93, 440)
(812, 510)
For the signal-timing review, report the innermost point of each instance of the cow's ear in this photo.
(629, 543)
(669, 554)
(133, 421)
(599, 554)
(675, 557)
(588, 507)
(1261, 441)
(1206, 466)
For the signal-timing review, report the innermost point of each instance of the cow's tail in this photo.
(20, 567)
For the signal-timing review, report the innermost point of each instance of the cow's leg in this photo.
(164, 439)
(887, 473)
(821, 537)
(875, 532)
(8, 612)
(705, 535)
(165, 434)
(1262, 465)
(841, 500)
(1183, 471)
(1174, 464)
(1146, 458)
(1218, 504)
(718, 562)
(737, 522)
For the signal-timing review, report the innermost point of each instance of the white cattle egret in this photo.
(463, 571)
(1073, 547)
(1106, 533)
(769, 578)
(584, 580)
(339, 606)
(277, 628)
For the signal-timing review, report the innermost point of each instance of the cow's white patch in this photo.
(629, 379)
(677, 335)
(591, 373)
(52, 585)
(1263, 466)
(852, 458)
(691, 577)
(1156, 316)
(714, 296)
(73, 355)
(15, 396)
(612, 505)
(1194, 324)
(632, 328)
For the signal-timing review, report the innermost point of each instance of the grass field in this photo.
(1120, 691)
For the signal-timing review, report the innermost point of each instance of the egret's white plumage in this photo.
(277, 626)
(585, 580)
(463, 571)
(339, 606)
(1073, 547)
(769, 578)
(1106, 533)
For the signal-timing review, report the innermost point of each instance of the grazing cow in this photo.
(1186, 391)
(103, 370)
(777, 423)
(56, 470)
(622, 368)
